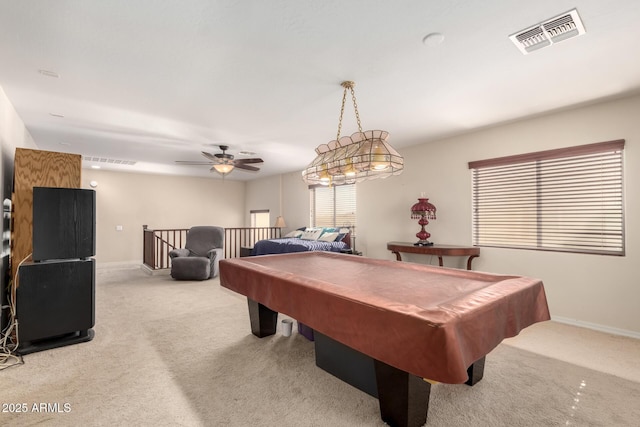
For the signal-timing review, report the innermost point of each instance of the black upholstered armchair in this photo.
(199, 258)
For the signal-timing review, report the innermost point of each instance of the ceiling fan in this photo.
(224, 163)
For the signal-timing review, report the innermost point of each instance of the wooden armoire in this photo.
(36, 168)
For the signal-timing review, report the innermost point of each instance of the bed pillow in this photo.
(328, 237)
(311, 234)
(329, 230)
(294, 233)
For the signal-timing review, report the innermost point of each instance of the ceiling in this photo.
(154, 81)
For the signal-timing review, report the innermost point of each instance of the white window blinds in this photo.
(569, 199)
(333, 206)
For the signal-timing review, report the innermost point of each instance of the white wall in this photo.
(598, 291)
(13, 134)
(265, 194)
(295, 199)
(159, 201)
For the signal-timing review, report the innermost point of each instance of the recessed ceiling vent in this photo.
(108, 161)
(546, 33)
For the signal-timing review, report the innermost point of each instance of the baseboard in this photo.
(151, 272)
(132, 265)
(596, 327)
(119, 265)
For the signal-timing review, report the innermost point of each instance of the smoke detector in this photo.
(551, 31)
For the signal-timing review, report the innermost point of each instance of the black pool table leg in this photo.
(403, 397)
(263, 319)
(475, 371)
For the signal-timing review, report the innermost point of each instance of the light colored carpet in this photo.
(170, 353)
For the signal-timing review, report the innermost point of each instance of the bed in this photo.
(312, 239)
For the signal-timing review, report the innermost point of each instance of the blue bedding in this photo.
(293, 244)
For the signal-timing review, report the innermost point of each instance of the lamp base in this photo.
(423, 243)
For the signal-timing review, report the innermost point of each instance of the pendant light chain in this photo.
(348, 85)
(344, 98)
(355, 107)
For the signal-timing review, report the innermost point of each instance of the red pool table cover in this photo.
(432, 322)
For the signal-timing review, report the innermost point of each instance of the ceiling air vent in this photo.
(546, 33)
(108, 161)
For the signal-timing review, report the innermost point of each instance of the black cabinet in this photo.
(55, 304)
(64, 225)
(55, 294)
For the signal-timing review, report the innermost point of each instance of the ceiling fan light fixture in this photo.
(224, 163)
(223, 168)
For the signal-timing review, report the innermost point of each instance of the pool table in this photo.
(413, 321)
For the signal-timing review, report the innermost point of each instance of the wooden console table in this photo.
(438, 250)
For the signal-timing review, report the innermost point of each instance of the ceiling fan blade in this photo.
(224, 159)
(247, 167)
(210, 156)
(189, 162)
(256, 160)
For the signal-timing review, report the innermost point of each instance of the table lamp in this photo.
(280, 222)
(423, 211)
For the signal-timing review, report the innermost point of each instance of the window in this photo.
(260, 218)
(569, 199)
(333, 206)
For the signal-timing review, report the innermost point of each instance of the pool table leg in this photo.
(475, 371)
(403, 397)
(263, 319)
